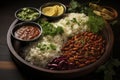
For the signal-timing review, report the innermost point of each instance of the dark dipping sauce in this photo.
(27, 32)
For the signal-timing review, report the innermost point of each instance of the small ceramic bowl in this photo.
(53, 10)
(113, 11)
(26, 31)
(27, 14)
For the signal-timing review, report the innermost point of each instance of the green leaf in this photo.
(59, 30)
(75, 21)
(112, 71)
(95, 23)
(107, 75)
(53, 47)
(50, 29)
(74, 4)
(116, 62)
(108, 68)
(101, 68)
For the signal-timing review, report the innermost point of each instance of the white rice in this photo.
(40, 58)
(73, 28)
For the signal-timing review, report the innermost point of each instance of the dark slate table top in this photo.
(8, 70)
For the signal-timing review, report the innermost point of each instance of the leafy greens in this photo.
(95, 23)
(49, 29)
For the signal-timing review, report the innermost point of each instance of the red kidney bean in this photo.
(79, 51)
(60, 63)
(84, 48)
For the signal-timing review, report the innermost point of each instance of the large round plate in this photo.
(16, 46)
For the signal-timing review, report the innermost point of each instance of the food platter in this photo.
(16, 47)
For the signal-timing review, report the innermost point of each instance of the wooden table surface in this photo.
(8, 70)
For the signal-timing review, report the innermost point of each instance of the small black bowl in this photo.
(114, 12)
(54, 5)
(27, 14)
(26, 31)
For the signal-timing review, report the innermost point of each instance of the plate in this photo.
(15, 47)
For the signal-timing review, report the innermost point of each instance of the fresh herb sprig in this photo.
(44, 47)
(79, 7)
(74, 6)
(95, 23)
(109, 68)
(49, 29)
(27, 14)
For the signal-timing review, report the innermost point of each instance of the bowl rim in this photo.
(114, 11)
(96, 64)
(52, 3)
(21, 24)
(33, 8)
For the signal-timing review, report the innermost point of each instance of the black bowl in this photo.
(27, 14)
(51, 4)
(26, 31)
(114, 12)
(15, 47)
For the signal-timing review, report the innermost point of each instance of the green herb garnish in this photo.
(75, 21)
(73, 6)
(44, 47)
(52, 46)
(95, 23)
(109, 68)
(67, 23)
(59, 30)
(49, 29)
(27, 14)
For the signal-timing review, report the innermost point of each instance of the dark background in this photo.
(7, 10)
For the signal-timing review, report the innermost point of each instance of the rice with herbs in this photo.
(49, 47)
